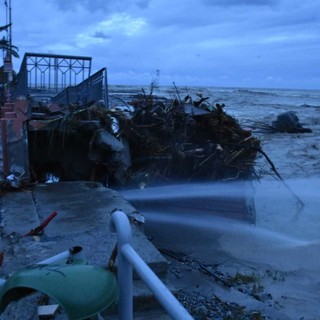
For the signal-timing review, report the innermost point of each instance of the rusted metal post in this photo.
(5, 153)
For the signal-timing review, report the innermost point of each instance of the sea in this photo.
(285, 239)
(294, 154)
(244, 103)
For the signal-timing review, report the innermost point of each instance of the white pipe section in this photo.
(129, 258)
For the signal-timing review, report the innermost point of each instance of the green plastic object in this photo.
(81, 290)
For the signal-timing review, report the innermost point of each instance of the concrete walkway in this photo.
(83, 219)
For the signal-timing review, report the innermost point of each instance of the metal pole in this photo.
(125, 306)
(106, 89)
(10, 27)
(5, 151)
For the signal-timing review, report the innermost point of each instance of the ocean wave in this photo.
(254, 100)
(305, 105)
(256, 92)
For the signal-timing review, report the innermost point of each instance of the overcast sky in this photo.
(239, 43)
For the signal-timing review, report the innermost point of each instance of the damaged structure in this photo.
(45, 90)
(60, 124)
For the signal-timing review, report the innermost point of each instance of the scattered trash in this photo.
(13, 181)
(47, 311)
(245, 283)
(51, 178)
(136, 217)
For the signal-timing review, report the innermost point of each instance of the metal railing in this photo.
(63, 79)
(128, 258)
(50, 73)
(92, 89)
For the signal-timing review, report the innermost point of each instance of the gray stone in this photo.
(289, 122)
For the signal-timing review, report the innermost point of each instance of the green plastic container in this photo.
(81, 290)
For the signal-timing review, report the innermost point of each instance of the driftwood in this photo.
(180, 140)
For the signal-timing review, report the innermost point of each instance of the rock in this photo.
(289, 122)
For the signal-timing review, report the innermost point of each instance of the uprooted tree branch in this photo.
(180, 139)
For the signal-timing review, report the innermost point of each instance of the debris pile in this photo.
(174, 140)
(147, 140)
(76, 145)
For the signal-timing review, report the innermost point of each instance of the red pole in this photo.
(5, 152)
(38, 229)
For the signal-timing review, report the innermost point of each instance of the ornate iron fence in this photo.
(50, 73)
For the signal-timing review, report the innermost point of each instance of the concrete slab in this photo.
(19, 214)
(83, 220)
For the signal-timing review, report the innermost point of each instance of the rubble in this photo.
(145, 140)
(183, 140)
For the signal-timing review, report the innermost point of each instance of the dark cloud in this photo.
(143, 4)
(226, 3)
(199, 40)
(100, 5)
(90, 5)
(101, 35)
